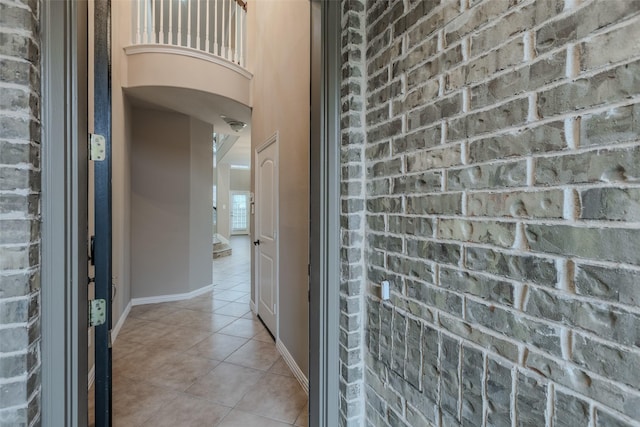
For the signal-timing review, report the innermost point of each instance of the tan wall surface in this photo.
(279, 40)
(121, 137)
(240, 180)
(201, 205)
(160, 196)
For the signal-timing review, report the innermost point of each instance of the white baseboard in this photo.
(92, 376)
(297, 372)
(171, 298)
(123, 317)
(254, 307)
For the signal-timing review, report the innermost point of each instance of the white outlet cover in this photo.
(384, 290)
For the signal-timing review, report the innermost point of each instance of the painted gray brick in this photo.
(501, 153)
(544, 138)
(494, 233)
(499, 291)
(518, 267)
(575, 26)
(488, 176)
(583, 242)
(597, 358)
(611, 284)
(612, 204)
(570, 411)
(449, 376)
(498, 394)
(540, 204)
(530, 401)
(604, 419)
(538, 334)
(472, 372)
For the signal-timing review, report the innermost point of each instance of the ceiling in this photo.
(203, 106)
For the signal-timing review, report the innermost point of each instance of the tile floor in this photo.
(207, 361)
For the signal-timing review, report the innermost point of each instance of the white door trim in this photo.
(64, 271)
(273, 139)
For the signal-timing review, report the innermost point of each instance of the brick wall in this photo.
(19, 212)
(502, 201)
(352, 218)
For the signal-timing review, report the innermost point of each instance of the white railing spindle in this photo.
(223, 27)
(161, 22)
(229, 55)
(146, 21)
(170, 21)
(206, 47)
(235, 35)
(179, 33)
(198, 45)
(215, 27)
(221, 32)
(153, 22)
(189, 23)
(240, 47)
(138, 23)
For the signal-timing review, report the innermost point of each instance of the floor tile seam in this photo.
(247, 367)
(217, 402)
(266, 416)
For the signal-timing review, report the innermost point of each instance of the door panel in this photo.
(267, 234)
(102, 210)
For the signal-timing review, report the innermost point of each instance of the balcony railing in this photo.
(217, 27)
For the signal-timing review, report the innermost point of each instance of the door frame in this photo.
(64, 213)
(272, 140)
(324, 241)
(64, 226)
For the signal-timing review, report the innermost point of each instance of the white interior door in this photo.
(266, 242)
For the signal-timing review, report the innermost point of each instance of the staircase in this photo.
(220, 248)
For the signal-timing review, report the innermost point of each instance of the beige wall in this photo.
(240, 180)
(121, 138)
(170, 204)
(279, 40)
(201, 205)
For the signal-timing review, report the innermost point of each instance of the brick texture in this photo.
(352, 214)
(19, 213)
(491, 155)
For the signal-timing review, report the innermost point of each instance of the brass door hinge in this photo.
(97, 147)
(97, 312)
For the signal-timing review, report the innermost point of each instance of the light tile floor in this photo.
(207, 361)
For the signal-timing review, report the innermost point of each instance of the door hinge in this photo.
(97, 312)
(110, 341)
(97, 147)
(274, 309)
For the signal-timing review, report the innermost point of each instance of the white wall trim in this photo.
(254, 307)
(123, 317)
(92, 376)
(297, 372)
(187, 51)
(172, 297)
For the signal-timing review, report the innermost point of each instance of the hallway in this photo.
(207, 361)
